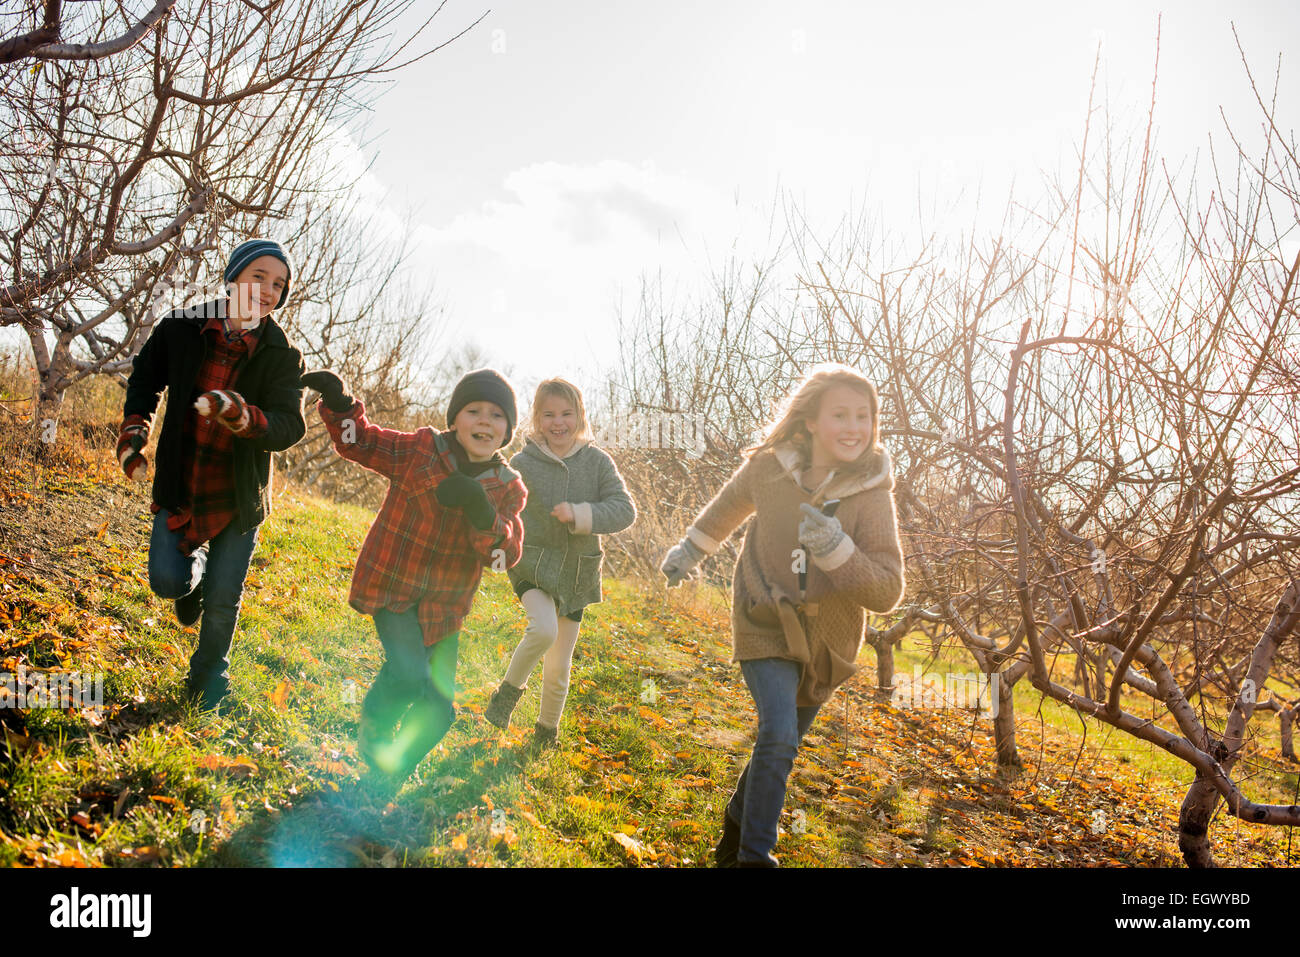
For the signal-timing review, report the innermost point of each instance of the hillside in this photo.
(656, 730)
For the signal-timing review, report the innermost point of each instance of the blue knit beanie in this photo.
(247, 251)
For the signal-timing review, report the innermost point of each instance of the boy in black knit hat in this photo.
(453, 506)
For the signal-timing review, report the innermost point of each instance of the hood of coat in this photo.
(541, 451)
(879, 472)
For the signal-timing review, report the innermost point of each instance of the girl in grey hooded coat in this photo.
(575, 495)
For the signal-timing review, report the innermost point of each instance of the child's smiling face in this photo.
(559, 422)
(481, 429)
(257, 290)
(842, 429)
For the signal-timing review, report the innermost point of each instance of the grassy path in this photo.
(657, 726)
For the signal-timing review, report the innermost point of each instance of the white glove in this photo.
(679, 564)
(820, 533)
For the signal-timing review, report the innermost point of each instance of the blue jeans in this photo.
(221, 565)
(760, 793)
(416, 686)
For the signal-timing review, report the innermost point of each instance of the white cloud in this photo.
(585, 206)
(537, 276)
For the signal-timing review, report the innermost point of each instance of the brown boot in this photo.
(544, 737)
(502, 704)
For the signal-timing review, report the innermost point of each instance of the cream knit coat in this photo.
(864, 572)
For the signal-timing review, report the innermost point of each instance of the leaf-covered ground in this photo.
(657, 727)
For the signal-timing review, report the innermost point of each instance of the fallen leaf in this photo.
(280, 696)
(631, 846)
(17, 742)
(531, 818)
(240, 767)
(459, 843)
(148, 854)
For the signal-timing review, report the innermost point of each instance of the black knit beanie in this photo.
(484, 385)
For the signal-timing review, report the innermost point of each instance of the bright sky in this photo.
(561, 150)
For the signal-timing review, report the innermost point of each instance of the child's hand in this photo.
(133, 437)
(820, 533)
(460, 491)
(679, 564)
(331, 388)
(563, 512)
(226, 407)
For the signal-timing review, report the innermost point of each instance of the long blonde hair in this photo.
(568, 392)
(789, 427)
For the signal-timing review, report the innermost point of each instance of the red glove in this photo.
(228, 408)
(133, 437)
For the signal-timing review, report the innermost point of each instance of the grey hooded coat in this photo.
(561, 559)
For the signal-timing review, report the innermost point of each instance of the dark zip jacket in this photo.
(269, 379)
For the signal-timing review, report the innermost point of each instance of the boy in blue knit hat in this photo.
(234, 398)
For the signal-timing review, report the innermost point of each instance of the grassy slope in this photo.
(635, 781)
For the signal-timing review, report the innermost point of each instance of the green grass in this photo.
(1101, 742)
(277, 781)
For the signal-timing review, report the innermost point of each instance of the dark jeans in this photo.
(222, 566)
(416, 686)
(760, 793)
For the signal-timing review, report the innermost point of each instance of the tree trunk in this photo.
(1004, 724)
(1194, 823)
(1285, 717)
(51, 383)
(884, 669)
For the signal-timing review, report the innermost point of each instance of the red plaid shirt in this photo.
(209, 460)
(419, 552)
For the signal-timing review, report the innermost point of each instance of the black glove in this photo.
(460, 491)
(331, 389)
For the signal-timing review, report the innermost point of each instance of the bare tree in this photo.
(1092, 411)
(1098, 478)
(131, 155)
(361, 315)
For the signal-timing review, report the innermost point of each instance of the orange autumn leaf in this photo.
(459, 843)
(280, 696)
(240, 767)
(531, 818)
